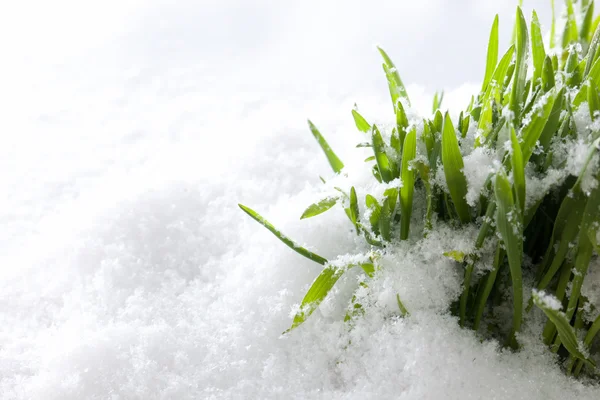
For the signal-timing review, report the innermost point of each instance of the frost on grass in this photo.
(479, 164)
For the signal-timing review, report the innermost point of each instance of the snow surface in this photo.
(131, 130)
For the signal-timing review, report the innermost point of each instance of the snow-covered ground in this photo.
(131, 130)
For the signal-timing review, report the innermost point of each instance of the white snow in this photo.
(130, 133)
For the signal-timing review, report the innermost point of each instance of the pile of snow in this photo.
(128, 272)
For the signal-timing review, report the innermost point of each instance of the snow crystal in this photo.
(478, 166)
(548, 300)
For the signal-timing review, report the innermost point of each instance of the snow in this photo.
(131, 130)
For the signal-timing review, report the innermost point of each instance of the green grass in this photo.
(547, 239)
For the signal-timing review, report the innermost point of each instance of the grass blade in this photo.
(319, 290)
(386, 168)
(548, 75)
(385, 218)
(570, 34)
(360, 122)
(453, 169)
(532, 132)
(593, 101)
(319, 207)
(518, 170)
(510, 229)
(586, 23)
(437, 101)
(291, 244)
(537, 48)
(393, 78)
(375, 208)
(492, 55)
(334, 161)
(551, 307)
(520, 74)
(408, 182)
(566, 227)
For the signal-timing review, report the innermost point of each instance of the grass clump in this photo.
(538, 114)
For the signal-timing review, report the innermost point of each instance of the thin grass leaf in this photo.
(291, 244)
(537, 48)
(401, 123)
(385, 218)
(565, 330)
(570, 34)
(593, 101)
(360, 122)
(552, 123)
(453, 170)
(386, 168)
(592, 53)
(492, 54)
(518, 170)
(586, 24)
(572, 71)
(354, 208)
(510, 229)
(408, 182)
(437, 101)
(566, 228)
(488, 285)
(548, 81)
(319, 207)
(587, 342)
(403, 309)
(532, 132)
(336, 164)
(520, 75)
(393, 77)
(375, 208)
(318, 291)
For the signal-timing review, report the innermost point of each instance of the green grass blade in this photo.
(492, 55)
(533, 130)
(548, 81)
(520, 75)
(488, 285)
(453, 169)
(393, 77)
(401, 123)
(586, 23)
(570, 34)
(319, 207)
(510, 229)
(437, 101)
(386, 168)
(375, 208)
(360, 122)
(385, 218)
(408, 182)
(553, 122)
(593, 101)
(518, 170)
(592, 52)
(336, 164)
(537, 48)
(291, 244)
(566, 228)
(319, 290)
(565, 330)
(354, 208)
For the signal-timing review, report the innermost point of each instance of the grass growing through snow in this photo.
(534, 107)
